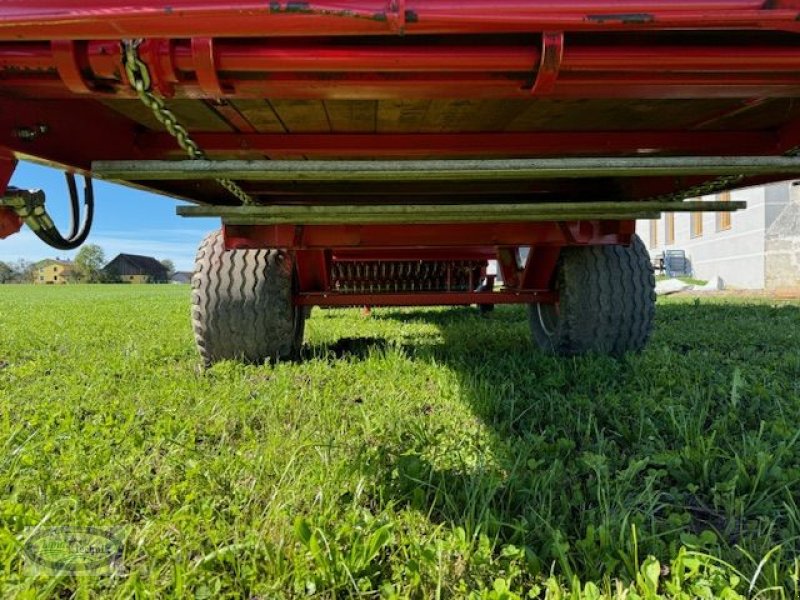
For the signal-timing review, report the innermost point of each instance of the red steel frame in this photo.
(66, 55)
(10, 223)
(315, 247)
(112, 19)
(305, 68)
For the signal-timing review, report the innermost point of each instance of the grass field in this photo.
(414, 453)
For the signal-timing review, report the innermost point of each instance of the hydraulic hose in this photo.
(30, 206)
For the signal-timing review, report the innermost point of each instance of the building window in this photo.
(697, 224)
(669, 224)
(654, 233)
(723, 218)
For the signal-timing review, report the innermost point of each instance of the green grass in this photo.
(689, 280)
(415, 453)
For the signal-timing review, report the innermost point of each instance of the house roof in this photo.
(182, 276)
(146, 265)
(50, 261)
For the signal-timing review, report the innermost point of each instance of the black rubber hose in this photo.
(73, 205)
(77, 235)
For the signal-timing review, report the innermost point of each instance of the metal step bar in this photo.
(443, 170)
(338, 214)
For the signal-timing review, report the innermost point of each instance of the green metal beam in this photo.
(443, 170)
(442, 213)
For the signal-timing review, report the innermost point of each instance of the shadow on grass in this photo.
(356, 347)
(690, 443)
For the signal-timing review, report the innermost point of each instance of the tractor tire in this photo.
(606, 302)
(242, 305)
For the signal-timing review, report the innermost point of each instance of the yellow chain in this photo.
(139, 79)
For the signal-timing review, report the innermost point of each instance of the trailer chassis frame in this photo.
(315, 248)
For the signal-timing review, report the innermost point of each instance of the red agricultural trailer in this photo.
(380, 152)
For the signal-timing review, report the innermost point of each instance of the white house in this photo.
(755, 248)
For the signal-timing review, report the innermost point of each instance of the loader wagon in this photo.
(381, 152)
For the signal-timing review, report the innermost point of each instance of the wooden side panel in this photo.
(352, 116)
(261, 115)
(472, 115)
(302, 116)
(768, 113)
(401, 116)
(193, 114)
(602, 115)
(464, 115)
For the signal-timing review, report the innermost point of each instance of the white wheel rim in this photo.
(543, 321)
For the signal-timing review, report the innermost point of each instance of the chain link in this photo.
(140, 80)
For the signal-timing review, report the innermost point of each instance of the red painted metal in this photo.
(424, 298)
(313, 269)
(396, 16)
(508, 261)
(76, 131)
(551, 60)
(540, 268)
(429, 254)
(10, 223)
(477, 86)
(102, 58)
(7, 165)
(157, 54)
(789, 136)
(539, 143)
(461, 235)
(232, 115)
(312, 56)
(262, 57)
(205, 67)
(317, 247)
(112, 19)
(68, 62)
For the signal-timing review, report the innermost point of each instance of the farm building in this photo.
(133, 268)
(181, 277)
(53, 271)
(755, 248)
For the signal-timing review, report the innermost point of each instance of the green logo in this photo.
(77, 550)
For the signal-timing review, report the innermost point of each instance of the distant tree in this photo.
(24, 271)
(169, 266)
(72, 276)
(6, 273)
(89, 262)
(110, 276)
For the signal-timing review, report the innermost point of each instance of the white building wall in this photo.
(783, 238)
(736, 255)
(776, 199)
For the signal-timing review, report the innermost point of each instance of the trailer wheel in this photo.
(606, 302)
(242, 304)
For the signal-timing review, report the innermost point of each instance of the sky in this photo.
(125, 220)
